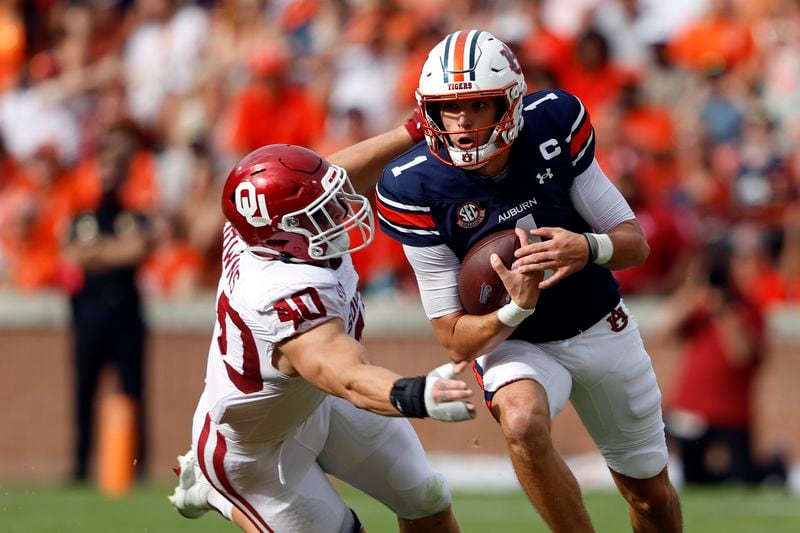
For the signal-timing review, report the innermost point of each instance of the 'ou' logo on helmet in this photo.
(470, 215)
(248, 203)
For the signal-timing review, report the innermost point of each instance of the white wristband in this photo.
(512, 315)
(605, 248)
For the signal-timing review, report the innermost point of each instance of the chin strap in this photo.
(482, 154)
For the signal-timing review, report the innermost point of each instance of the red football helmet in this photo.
(289, 202)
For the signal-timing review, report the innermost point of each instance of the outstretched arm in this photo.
(336, 363)
(364, 161)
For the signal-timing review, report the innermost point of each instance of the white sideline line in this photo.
(494, 472)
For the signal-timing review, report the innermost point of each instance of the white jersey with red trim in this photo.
(259, 304)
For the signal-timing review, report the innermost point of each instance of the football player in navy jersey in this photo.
(495, 159)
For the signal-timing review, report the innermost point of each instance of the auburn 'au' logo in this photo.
(513, 64)
(618, 319)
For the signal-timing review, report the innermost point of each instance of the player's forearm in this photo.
(368, 387)
(630, 246)
(336, 363)
(436, 395)
(365, 161)
(466, 337)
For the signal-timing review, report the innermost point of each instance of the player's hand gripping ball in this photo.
(479, 287)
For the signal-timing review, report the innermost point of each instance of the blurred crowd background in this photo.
(696, 105)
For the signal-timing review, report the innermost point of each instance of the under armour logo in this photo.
(618, 319)
(466, 157)
(546, 176)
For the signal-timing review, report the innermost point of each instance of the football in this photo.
(479, 286)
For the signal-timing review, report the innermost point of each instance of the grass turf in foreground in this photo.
(80, 509)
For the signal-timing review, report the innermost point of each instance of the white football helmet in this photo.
(471, 64)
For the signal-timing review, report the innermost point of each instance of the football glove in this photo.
(445, 411)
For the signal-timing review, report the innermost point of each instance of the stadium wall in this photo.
(36, 382)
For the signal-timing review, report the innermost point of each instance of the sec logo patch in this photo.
(470, 215)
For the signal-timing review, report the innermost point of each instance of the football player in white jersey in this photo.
(499, 159)
(289, 394)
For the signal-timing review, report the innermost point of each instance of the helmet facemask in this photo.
(503, 131)
(326, 223)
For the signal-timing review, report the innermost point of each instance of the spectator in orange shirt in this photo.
(590, 75)
(543, 48)
(717, 42)
(137, 192)
(36, 206)
(271, 109)
(754, 270)
(421, 42)
(12, 45)
(173, 268)
(649, 130)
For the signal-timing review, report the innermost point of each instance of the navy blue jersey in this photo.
(423, 202)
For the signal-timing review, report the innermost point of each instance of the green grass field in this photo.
(40, 510)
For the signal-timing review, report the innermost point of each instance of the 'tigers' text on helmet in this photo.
(460, 86)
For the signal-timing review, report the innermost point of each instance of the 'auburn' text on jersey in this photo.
(422, 202)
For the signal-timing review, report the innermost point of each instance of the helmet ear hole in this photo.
(502, 108)
(434, 111)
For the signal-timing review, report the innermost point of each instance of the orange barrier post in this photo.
(117, 447)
